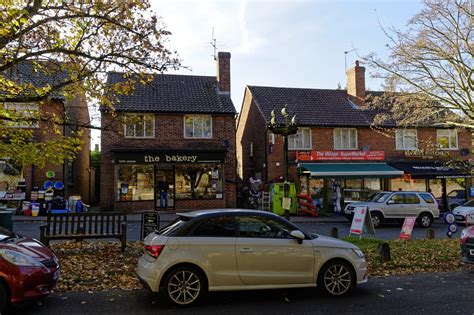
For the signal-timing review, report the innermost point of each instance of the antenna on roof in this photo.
(345, 56)
(213, 43)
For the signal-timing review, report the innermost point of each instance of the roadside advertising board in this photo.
(407, 228)
(362, 222)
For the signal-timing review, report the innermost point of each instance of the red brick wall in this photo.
(251, 128)
(169, 134)
(223, 71)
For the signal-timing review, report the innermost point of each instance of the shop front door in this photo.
(164, 178)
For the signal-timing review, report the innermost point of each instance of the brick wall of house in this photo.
(322, 140)
(254, 132)
(169, 134)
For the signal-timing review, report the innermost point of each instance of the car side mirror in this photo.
(298, 235)
(390, 202)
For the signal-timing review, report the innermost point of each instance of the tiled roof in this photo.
(26, 72)
(174, 94)
(313, 107)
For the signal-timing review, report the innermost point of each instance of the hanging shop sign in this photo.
(168, 157)
(340, 155)
(426, 154)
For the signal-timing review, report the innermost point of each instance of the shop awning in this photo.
(349, 170)
(431, 170)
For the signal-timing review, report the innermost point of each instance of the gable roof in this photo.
(26, 72)
(313, 107)
(170, 93)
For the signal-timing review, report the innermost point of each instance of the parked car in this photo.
(396, 205)
(464, 214)
(455, 198)
(225, 249)
(467, 245)
(28, 269)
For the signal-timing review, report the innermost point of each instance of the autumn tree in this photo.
(73, 43)
(429, 72)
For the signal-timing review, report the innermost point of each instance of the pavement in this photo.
(169, 216)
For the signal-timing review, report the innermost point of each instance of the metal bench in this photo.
(88, 225)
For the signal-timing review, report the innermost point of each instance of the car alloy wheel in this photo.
(376, 219)
(336, 278)
(184, 286)
(425, 220)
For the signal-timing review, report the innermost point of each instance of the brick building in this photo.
(336, 144)
(181, 127)
(74, 174)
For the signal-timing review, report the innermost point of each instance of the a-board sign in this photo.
(362, 222)
(407, 228)
(150, 222)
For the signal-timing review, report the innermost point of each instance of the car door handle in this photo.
(246, 250)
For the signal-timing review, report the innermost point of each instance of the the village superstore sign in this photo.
(340, 155)
(168, 157)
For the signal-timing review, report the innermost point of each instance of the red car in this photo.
(467, 245)
(28, 269)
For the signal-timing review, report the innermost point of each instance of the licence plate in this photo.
(56, 274)
(471, 252)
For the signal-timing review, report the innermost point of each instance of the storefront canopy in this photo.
(431, 170)
(349, 170)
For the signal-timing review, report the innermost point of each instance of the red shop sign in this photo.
(340, 155)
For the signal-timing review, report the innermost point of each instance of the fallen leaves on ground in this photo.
(97, 265)
(412, 256)
(100, 265)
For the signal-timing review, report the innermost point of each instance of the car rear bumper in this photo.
(466, 251)
(148, 271)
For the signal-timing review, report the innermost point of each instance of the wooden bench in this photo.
(88, 225)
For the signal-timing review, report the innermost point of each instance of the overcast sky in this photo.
(281, 43)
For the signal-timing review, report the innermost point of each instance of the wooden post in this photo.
(430, 234)
(334, 232)
(384, 251)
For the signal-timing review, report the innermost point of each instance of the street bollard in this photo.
(287, 215)
(430, 234)
(384, 251)
(334, 232)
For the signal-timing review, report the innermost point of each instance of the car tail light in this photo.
(464, 236)
(154, 250)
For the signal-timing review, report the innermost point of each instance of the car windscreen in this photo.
(380, 197)
(469, 203)
(5, 234)
(173, 226)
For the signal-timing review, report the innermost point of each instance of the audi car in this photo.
(28, 269)
(467, 245)
(235, 249)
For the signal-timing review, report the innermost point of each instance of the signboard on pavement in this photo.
(407, 228)
(362, 222)
(150, 222)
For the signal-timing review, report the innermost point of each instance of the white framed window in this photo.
(345, 139)
(301, 140)
(198, 126)
(139, 125)
(406, 139)
(17, 111)
(271, 137)
(447, 139)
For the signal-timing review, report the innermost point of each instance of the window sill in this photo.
(347, 149)
(301, 149)
(193, 138)
(153, 137)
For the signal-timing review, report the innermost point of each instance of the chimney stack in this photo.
(356, 84)
(223, 71)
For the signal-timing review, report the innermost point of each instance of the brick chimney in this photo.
(223, 71)
(356, 84)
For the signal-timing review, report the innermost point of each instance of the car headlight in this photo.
(359, 253)
(19, 259)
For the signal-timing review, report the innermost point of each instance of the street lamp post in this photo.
(286, 128)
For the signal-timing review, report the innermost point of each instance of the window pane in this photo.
(188, 132)
(411, 199)
(207, 127)
(200, 181)
(135, 182)
(337, 139)
(220, 227)
(443, 142)
(428, 198)
(353, 139)
(454, 141)
(345, 139)
(307, 138)
(399, 139)
(198, 126)
(398, 198)
(257, 227)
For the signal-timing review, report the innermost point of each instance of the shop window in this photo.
(408, 185)
(447, 139)
(139, 126)
(199, 181)
(197, 126)
(21, 114)
(406, 139)
(135, 182)
(345, 139)
(301, 140)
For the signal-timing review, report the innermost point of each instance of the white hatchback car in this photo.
(464, 214)
(225, 249)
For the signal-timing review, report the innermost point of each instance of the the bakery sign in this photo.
(350, 155)
(168, 157)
